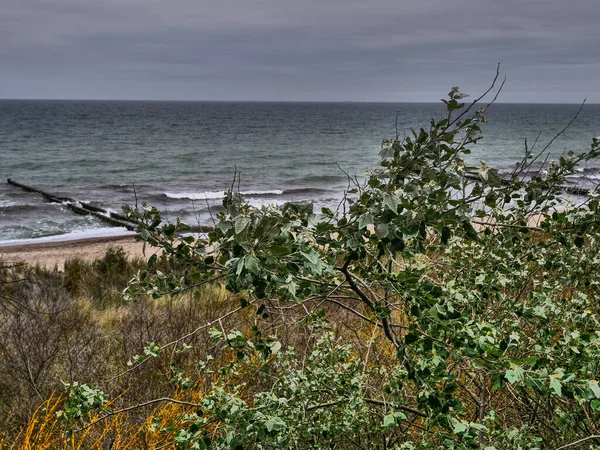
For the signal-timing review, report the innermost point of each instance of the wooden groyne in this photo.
(82, 208)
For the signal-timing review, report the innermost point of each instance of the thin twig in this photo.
(188, 335)
(134, 407)
(580, 441)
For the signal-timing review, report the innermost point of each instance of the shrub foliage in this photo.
(468, 301)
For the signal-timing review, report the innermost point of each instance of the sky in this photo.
(299, 50)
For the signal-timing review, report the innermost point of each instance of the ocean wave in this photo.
(214, 195)
(12, 203)
(330, 178)
(11, 208)
(308, 191)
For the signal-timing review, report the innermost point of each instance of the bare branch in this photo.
(133, 408)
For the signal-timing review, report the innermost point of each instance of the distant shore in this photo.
(54, 254)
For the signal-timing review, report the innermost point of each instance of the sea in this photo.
(181, 156)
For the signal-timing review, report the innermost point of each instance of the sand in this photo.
(54, 254)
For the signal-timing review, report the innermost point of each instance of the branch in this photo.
(403, 408)
(526, 167)
(371, 402)
(190, 334)
(580, 441)
(477, 100)
(507, 225)
(387, 328)
(134, 407)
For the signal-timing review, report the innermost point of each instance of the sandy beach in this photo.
(54, 254)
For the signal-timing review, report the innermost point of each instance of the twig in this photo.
(31, 379)
(188, 335)
(580, 441)
(556, 136)
(134, 407)
(477, 100)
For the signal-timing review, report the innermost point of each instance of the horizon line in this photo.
(281, 101)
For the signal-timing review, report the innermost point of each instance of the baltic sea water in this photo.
(180, 156)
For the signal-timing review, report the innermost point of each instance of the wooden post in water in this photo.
(82, 208)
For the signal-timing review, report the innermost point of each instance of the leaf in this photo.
(252, 264)
(446, 233)
(239, 267)
(593, 384)
(365, 220)
(224, 226)
(389, 420)
(400, 415)
(278, 250)
(241, 223)
(556, 385)
(459, 427)
(469, 230)
(392, 202)
(275, 424)
(311, 256)
(382, 230)
(275, 347)
(514, 375)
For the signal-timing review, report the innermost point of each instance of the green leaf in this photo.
(459, 427)
(382, 230)
(364, 220)
(311, 256)
(275, 424)
(514, 375)
(446, 233)
(275, 347)
(252, 264)
(556, 385)
(389, 420)
(241, 223)
(593, 384)
(392, 202)
(469, 230)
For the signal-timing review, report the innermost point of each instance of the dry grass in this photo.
(71, 325)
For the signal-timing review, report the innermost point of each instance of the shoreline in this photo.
(54, 254)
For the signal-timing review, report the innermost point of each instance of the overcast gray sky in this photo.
(323, 50)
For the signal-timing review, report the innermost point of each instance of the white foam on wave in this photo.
(72, 236)
(214, 195)
(11, 203)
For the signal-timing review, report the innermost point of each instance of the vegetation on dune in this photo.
(427, 312)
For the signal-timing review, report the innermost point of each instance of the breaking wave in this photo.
(214, 195)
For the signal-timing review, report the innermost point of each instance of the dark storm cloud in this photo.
(380, 50)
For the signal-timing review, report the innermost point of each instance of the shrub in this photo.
(483, 326)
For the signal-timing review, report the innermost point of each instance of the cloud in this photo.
(380, 50)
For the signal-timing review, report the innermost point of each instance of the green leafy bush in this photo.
(480, 292)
